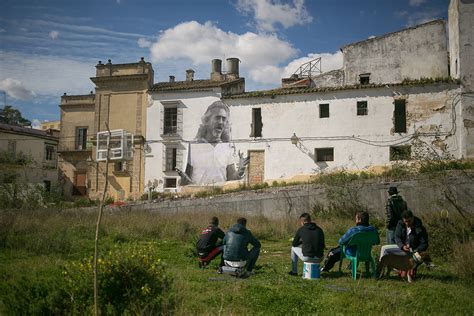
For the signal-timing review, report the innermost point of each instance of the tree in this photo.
(11, 116)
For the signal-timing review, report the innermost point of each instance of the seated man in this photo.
(207, 245)
(236, 253)
(410, 236)
(308, 243)
(362, 225)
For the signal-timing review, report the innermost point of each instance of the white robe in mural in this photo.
(210, 162)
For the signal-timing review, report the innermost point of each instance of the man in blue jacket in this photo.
(236, 243)
(362, 225)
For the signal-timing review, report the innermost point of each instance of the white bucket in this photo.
(311, 271)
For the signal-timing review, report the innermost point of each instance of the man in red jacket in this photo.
(207, 246)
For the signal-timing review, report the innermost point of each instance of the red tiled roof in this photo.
(191, 85)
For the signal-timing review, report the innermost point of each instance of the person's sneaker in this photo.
(219, 270)
(292, 273)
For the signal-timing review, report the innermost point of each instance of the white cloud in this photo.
(47, 75)
(416, 3)
(417, 18)
(143, 42)
(36, 124)
(210, 42)
(15, 89)
(54, 34)
(2, 30)
(269, 13)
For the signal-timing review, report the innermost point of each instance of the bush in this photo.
(463, 257)
(132, 280)
(444, 232)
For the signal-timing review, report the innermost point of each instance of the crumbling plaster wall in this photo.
(413, 53)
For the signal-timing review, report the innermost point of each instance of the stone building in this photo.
(28, 156)
(50, 125)
(119, 102)
(395, 98)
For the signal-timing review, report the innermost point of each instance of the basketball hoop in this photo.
(120, 143)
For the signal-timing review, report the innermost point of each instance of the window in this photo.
(324, 110)
(400, 117)
(170, 121)
(362, 108)
(119, 166)
(50, 152)
(47, 185)
(170, 159)
(364, 79)
(81, 138)
(324, 154)
(12, 147)
(400, 153)
(170, 182)
(256, 123)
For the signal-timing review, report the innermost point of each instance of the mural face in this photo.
(211, 157)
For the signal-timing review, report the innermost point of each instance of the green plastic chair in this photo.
(364, 242)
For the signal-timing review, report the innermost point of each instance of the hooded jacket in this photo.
(394, 209)
(418, 238)
(311, 238)
(208, 238)
(236, 242)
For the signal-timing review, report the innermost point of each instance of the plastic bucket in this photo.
(311, 271)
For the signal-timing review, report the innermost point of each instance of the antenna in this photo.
(309, 69)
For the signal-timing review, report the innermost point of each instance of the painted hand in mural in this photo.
(243, 163)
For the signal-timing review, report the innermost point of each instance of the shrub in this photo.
(463, 256)
(444, 232)
(132, 280)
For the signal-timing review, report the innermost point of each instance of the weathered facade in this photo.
(394, 99)
(75, 143)
(28, 156)
(119, 102)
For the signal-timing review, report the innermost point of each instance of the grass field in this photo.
(37, 246)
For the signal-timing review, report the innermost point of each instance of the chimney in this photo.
(171, 78)
(189, 75)
(216, 70)
(232, 68)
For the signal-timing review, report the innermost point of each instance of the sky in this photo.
(51, 47)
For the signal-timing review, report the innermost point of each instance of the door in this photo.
(80, 183)
(256, 173)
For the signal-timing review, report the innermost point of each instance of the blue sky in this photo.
(48, 47)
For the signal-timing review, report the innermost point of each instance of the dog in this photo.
(406, 265)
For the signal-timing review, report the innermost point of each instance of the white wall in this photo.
(359, 142)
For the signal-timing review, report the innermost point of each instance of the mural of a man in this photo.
(210, 158)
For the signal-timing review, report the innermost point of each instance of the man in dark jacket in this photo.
(362, 225)
(207, 245)
(236, 243)
(394, 208)
(410, 234)
(308, 243)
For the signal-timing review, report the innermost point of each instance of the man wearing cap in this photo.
(394, 209)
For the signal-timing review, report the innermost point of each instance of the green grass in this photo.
(37, 247)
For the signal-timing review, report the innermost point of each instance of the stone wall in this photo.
(423, 195)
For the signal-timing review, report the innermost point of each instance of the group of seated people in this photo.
(308, 243)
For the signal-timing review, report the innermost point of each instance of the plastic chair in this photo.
(364, 242)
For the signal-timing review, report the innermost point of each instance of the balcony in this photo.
(71, 145)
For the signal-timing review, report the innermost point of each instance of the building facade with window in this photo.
(28, 156)
(75, 143)
(395, 98)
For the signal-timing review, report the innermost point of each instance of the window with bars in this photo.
(170, 182)
(362, 108)
(50, 153)
(81, 138)
(171, 157)
(324, 154)
(400, 153)
(170, 125)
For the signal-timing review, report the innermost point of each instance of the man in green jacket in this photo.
(236, 243)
